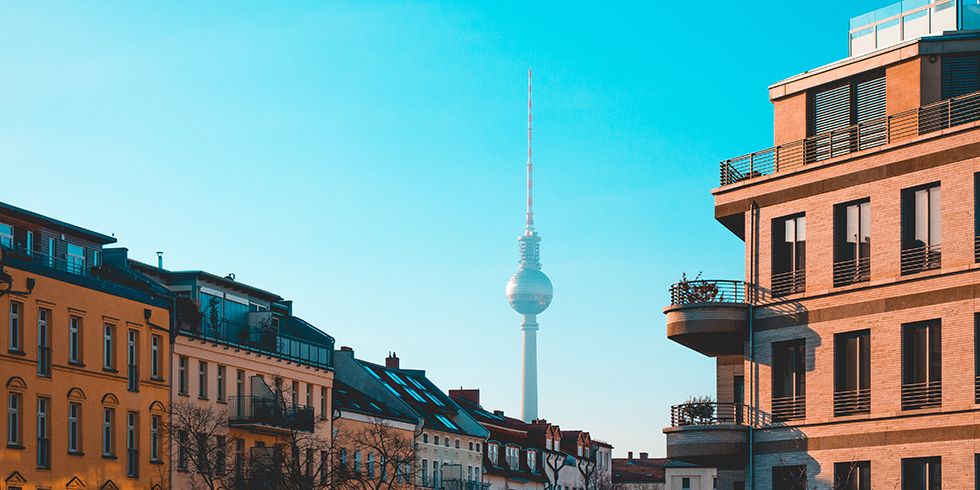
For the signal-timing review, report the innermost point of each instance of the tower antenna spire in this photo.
(529, 224)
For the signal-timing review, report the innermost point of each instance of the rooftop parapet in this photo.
(902, 21)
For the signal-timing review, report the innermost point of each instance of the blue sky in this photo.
(365, 159)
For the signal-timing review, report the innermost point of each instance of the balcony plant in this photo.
(695, 290)
(697, 410)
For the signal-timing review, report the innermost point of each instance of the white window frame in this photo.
(108, 417)
(15, 330)
(6, 239)
(154, 438)
(14, 404)
(154, 356)
(75, 340)
(74, 426)
(108, 354)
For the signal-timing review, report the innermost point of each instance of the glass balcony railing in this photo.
(899, 22)
(269, 411)
(267, 340)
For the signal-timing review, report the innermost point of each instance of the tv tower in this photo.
(529, 291)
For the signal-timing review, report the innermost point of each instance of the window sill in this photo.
(15, 446)
(16, 352)
(109, 456)
(182, 394)
(75, 453)
(199, 397)
(156, 461)
(157, 378)
(223, 402)
(110, 370)
(76, 364)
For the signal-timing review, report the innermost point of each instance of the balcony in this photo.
(920, 259)
(709, 434)
(709, 316)
(788, 408)
(847, 272)
(895, 128)
(786, 283)
(852, 402)
(265, 414)
(265, 340)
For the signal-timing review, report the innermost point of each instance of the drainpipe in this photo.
(753, 291)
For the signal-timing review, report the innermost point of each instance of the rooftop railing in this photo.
(870, 134)
(266, 340)
(74, 265)
(707, 291)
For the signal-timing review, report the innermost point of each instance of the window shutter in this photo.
(961, 75)
(832, 109)
(870, 96)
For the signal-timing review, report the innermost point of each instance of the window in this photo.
(182, 375)
(219, 455)
(921, 229)
(182, 450)
(852, 373)
(922, 474)
(469, 473)
(221, 383)
(30, 243)
(478, 447)
(492, 454)
(852, 476)
(43, 438)
(685, 483)
(446, 440)
(425, 438)
(96, 258)
(202, 380)
(836, 108)
(789, 379)
(532, 460)
(921, 365)
(295, 393)
(357, 462)
(435, 440)
(132, 445)
(425, 472)
(789, 477)
(155, 342)
(852, 242)
(370, 465)
(74, 416)
(6, 235)
(155, 438)
(13, 420)
(788, 255)
(16, 336)
(960, 75)
(108, 416)
(43, 343)
(512, 453)
(75, 340)
(457, 443)
(132, 360)
(108, 356)
(471, 445)
(239, 392)
(343, 458)
(323, 402)
(309, 396)
(75, 260)
(52, 252)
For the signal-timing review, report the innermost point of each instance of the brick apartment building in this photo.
(845, 361)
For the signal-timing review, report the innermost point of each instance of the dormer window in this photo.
(580, 450)
(547, 444)
(532, 460)
(513, 457)
(492, 454)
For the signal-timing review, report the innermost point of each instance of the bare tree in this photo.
(201, 444)
(593, 477)
(389, 457)
(555, 461)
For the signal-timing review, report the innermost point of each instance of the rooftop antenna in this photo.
(529, 224)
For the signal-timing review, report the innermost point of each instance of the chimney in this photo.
(471, 395)
(499, 413)
(346, 348)
(392, 362)
(644, 455)
(629, 455)
(160, 260)
(540, 421)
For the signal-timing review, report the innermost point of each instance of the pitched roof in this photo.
(649, 470)
(506, 431)
(346, 398)
(411, 386)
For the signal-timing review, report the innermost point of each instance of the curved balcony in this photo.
(709, 316)
(709, 434)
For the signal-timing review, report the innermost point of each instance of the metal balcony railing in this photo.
(707, 291)
(708, 413)
(791, 282)
(852, 271)
(43, 360)
(922, 395)
(789, 407)
(253, 410)
(890, 129)
(920, 259)
(851, 402)
(62, 262)
(976, 248)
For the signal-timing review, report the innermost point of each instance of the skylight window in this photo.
(391, 389)
(416, 383)
(435, 400)
(447, 422)
(376, 407)
(397, 378)
(415, 395)
(372, 372)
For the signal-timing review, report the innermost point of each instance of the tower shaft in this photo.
(529, 408)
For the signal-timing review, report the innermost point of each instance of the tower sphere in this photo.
(529, 292)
